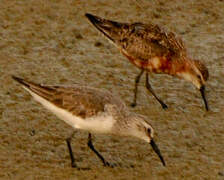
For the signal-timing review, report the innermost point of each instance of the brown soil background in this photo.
(52, 42)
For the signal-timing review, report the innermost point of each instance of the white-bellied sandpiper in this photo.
(93, 110)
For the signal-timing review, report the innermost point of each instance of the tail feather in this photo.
(43, 91)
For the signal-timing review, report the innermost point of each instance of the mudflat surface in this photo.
(51, 42)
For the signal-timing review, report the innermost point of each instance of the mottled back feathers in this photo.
(140, 41)
(81, 101)
(144, 42)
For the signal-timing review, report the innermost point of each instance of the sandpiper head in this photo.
(144, 131)
(197, 73)
(111, 29)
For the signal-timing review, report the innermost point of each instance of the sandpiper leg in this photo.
(68, 140)
(149, 87)
(137, 79)
(90, 144)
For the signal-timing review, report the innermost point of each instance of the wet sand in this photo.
(51, 42)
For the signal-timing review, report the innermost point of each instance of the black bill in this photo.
(156, 149)
(202, 90)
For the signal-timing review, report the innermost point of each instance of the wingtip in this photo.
(88, 15)
(91, 17)
(20, 80)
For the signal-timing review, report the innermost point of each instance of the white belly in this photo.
(99, 124)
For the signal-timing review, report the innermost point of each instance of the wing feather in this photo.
(147, 41)
(81, 101)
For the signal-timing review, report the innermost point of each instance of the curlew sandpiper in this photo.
(93, 110)
(152, 49)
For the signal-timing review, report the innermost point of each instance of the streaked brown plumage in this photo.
(153, 50)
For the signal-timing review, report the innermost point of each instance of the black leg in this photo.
(90, 144)
(137, 79)
(148, 86)
(68, 140)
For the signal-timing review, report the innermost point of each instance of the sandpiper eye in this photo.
(198, 76)
(149, 131)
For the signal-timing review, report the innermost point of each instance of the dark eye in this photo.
(198, 76)
(149, 131)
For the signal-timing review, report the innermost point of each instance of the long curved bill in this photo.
(156, 149)
(202, 90)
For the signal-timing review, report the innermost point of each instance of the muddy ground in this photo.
(52, 42)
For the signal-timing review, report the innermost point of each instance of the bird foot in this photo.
(164, 106)
(107, 164)
(73, 164)
(133, 104)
